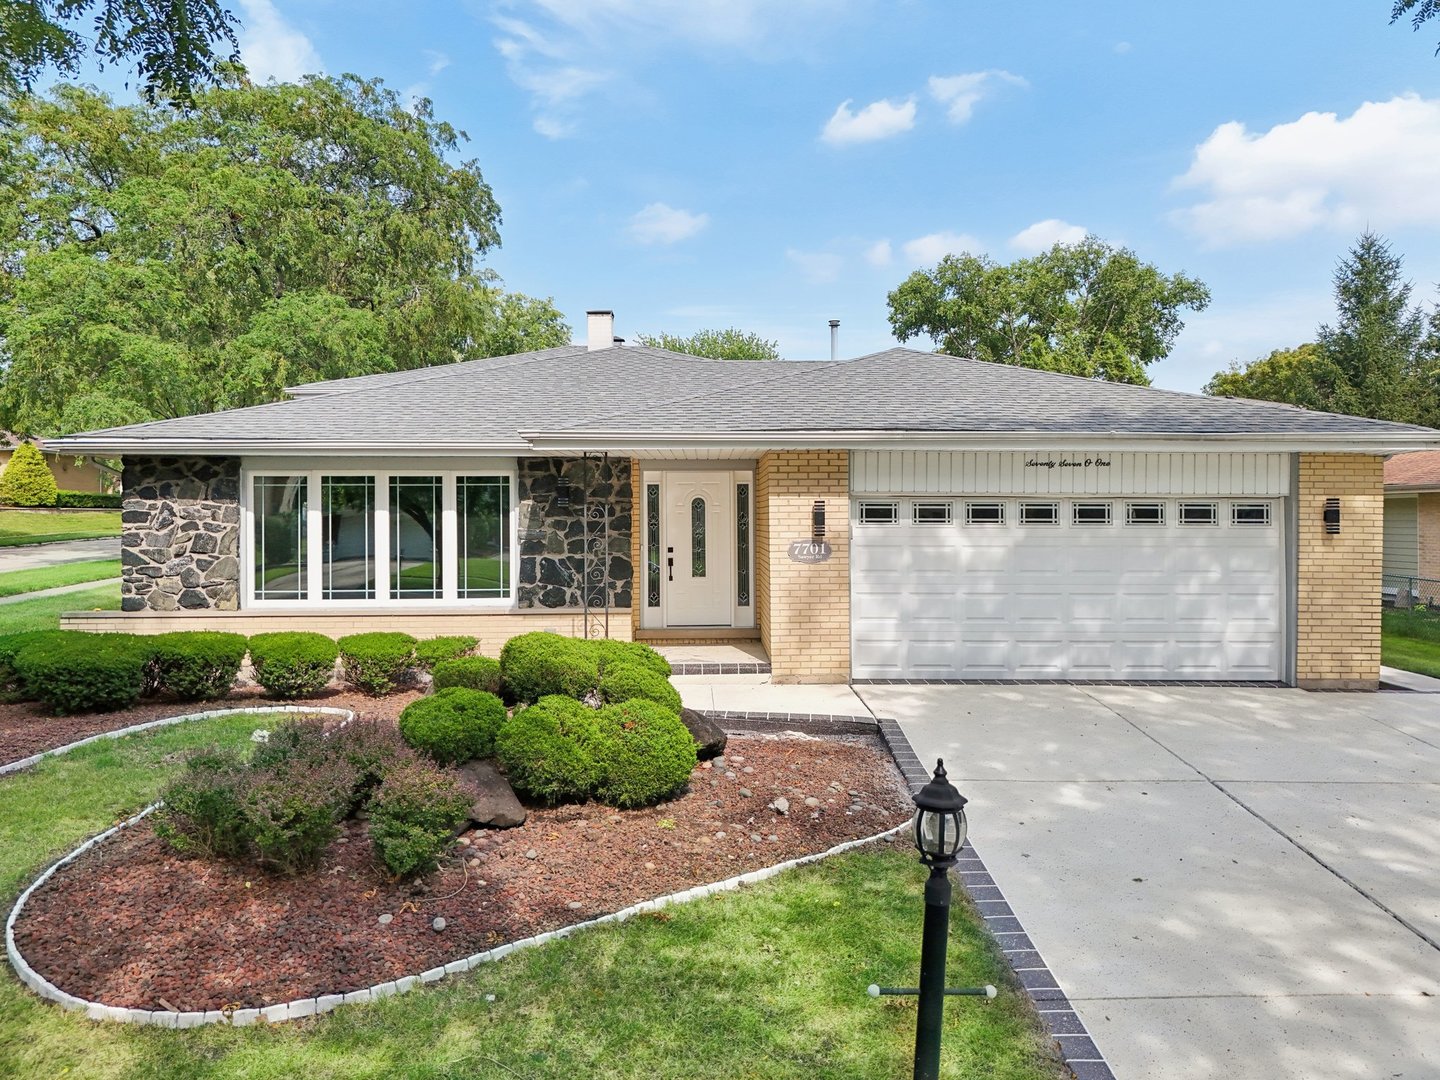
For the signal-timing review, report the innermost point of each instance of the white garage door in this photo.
(993, 588)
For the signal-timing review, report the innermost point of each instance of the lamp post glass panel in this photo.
(939, 834)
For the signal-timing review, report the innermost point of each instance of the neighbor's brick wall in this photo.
(803, 608)
(1429, 524)
(1338, 577)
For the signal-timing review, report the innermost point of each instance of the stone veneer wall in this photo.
(553, 536)
(1338, 575)
(180, 534)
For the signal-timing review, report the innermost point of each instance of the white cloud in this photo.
(1378, 167)
(935, 246)
(1044, 235)
(273, 49)
(819, 267)
(879, 253)
(878, 120)
(439, 61)
(961, 93)
(662, 224)
(1242, 331)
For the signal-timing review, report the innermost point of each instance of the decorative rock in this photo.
(781, 805)
(532, 854)
(575, 905)
(746, 793)
(730, 776)
(492, 801)
(386, 919)
(437, 924)
(810, 800)
(709, 736)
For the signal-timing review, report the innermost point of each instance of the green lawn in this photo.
(766, 983)
(41, 527)
(473, 574)
(43, 613)
(49, 577)
(1410, 641)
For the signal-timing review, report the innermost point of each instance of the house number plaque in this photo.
(809, 551)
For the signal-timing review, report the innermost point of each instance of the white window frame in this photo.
(946, 513)
(1213, 507)
(1053, 507)
(380, 472)
(1236, 507)
(1076, 520)
(970, 515)
(889, 504)
(1130, 521)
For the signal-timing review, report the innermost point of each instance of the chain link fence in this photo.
(1399, 591)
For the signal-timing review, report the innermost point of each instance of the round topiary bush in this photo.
(375, 663)
(195, 665)
(436, 650)
(645, 754)
(539, 664)
(471, 672)
(610, 654)
(84, 672)
(453, 725)
(26, 479)
(293, 663)
(414, 816)
(548, 751)
(628, 682)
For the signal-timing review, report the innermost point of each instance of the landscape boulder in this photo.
(493, 803)
(706, 732)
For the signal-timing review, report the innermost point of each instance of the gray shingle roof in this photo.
(490, 403)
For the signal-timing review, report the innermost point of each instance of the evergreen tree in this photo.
(27, 480)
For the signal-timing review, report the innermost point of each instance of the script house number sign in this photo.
(1049, 461)
(809, 551)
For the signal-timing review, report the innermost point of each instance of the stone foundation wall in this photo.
(554, 532)
(180, 534)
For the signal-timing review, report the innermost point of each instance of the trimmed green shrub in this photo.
(538, 664)
(627, 682)
(195, 665)
(26, 479)
(645, 754)
(436, 650)
(294, 663)
(375, 663)
(10, 644)
(89, 500)
(548, 751)
(204, 812)
(374, 749)
(84, 672)
(453, 725)
(471, 672)
(613, 653)
(293, 810)
(414, 816)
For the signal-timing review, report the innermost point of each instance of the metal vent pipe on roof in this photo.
(834, 339)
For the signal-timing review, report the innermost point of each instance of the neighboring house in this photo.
(71, 474)
(902, 515)
(1412, 527)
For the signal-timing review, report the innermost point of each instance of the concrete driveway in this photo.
(1237, 883)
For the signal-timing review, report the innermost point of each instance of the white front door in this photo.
(699, 537)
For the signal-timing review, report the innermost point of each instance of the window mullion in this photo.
(381, 533)
(314, 548)
(449, 548)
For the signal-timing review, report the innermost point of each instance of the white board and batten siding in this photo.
(981, 472)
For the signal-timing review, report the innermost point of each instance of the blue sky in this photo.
(698, 163)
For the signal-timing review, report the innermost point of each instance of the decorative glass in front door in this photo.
(697, 537)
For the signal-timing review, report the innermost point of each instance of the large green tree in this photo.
(165, 262)
(1086, 309)
(170, 43)
(731, 344)
(1378, 359)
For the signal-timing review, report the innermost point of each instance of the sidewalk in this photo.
(1395, 679)
(757, 694)
(59, 590)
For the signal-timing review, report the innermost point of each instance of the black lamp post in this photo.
(939, 834)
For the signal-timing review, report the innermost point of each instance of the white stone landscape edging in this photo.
(312, 1006)
(213, 714)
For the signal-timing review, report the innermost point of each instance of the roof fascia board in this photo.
(274, 447)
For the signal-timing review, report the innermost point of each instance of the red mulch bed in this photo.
(130, 923)
(25, 727)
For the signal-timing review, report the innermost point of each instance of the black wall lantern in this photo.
(817, 520)
(1332, 515)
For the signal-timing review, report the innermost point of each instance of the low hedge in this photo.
(628, 682)
(195, 665)
(88, 500)
(549, 750)
(437, 650)
(414, 816)
(10, 644)
(471, 672)
(537, 664)
(293, 663)
(84, 672)
(454, 725)
(375, 663)
(645, 754)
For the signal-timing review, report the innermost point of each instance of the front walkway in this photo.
(1233, 883)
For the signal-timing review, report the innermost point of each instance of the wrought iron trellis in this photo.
(596, 587)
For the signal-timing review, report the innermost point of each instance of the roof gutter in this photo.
(112, 446)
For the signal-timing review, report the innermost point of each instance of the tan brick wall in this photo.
(1429, 528)
(803, 608)
(1338, 576)
(492, 630)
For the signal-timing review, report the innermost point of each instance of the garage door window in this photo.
(984, 513)
(1250, 514)
(1144, 513)
(1039, 513)
(877, 513)
(1092, 513)
(1199, 514)
(932, 513)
